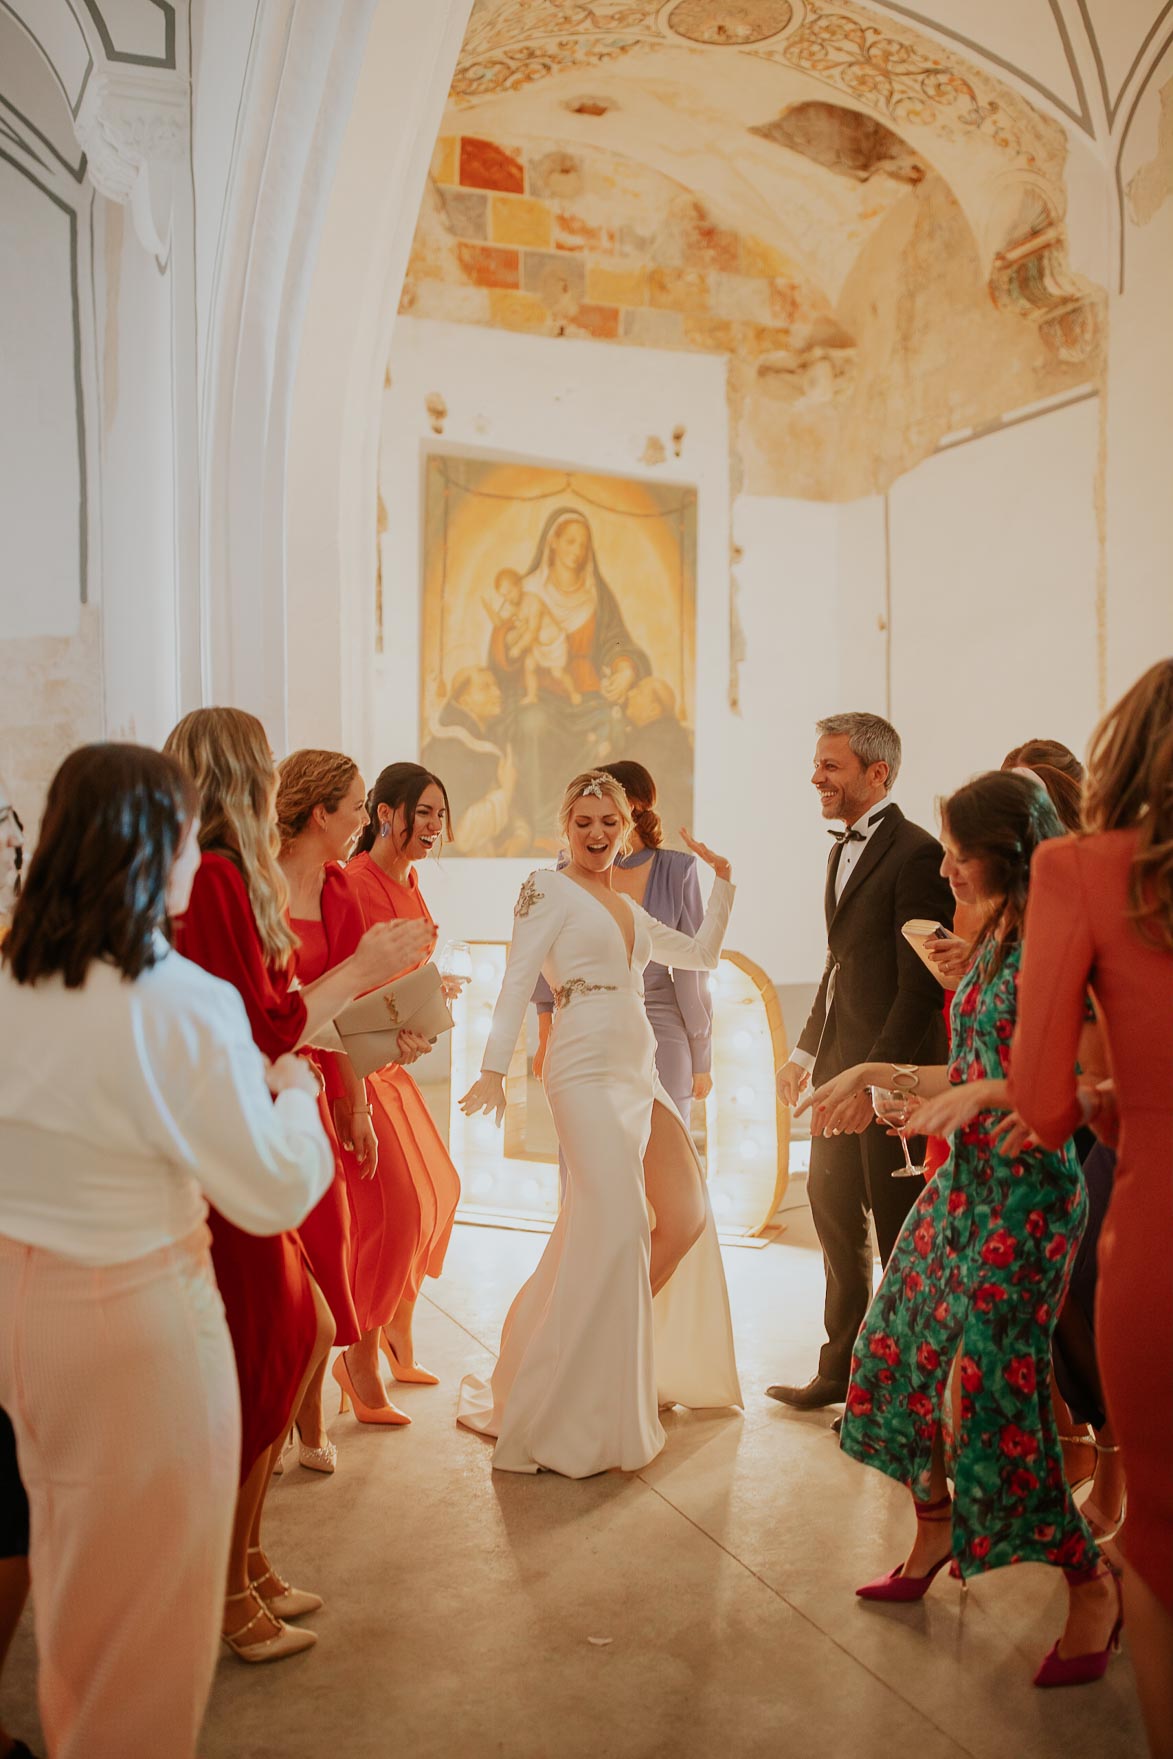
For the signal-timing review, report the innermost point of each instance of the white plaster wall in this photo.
(40, 484)
(592, 407)
(993, 550)
(137, 587)
(1140, 399)
(337, 396)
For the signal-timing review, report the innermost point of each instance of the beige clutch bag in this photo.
(368, 1029)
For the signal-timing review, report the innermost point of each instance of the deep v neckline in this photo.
(599, 905)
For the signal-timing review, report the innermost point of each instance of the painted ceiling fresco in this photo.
(870, 227)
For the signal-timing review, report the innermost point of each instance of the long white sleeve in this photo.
(698, 952)
(263, 1163)
(537, 917)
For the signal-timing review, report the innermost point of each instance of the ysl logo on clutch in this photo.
(392, 1010)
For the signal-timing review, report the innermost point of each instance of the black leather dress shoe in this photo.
(813, 1396)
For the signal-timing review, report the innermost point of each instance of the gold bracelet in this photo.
(905, 1077)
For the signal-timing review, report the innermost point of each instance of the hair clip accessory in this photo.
(595, 788)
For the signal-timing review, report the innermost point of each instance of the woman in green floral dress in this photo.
(979, 1274)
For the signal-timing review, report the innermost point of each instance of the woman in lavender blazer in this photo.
(678, 1004)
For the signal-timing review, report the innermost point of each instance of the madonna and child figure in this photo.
(628, 1310)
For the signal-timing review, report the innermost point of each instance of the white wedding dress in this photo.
(587, 1356)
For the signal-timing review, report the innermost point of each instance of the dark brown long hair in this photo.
(1130, 783)
(96, 887)
(1000, 819)
(640, 788)
(1049, 751)
(401, 785)
(1066, 793)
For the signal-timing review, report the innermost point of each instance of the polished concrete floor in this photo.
(703, 1607)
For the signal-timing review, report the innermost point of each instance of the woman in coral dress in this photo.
(625, 1312)
(403, 1234)
(235, 927)
(321, 813)
(979, 1273)
(1101, 913)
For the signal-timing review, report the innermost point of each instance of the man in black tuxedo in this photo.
(876, 1002)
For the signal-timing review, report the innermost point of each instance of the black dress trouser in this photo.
(850, 1176)
(14, 1504)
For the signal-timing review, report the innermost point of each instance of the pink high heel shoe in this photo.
(898, 1587)
(1082, 1670)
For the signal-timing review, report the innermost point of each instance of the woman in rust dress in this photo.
(236, 928)
(418, 1187)
(321, 812)
(1101, 913)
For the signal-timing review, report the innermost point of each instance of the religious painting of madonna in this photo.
(559, 633)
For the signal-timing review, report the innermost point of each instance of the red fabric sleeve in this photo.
(342, 917)
(219, 932)
(1057, 959)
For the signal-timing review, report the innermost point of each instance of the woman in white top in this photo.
(587, 1356)
(130, 1086)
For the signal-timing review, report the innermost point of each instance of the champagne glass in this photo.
(455, 963)
(894, 1106)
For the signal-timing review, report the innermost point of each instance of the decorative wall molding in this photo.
(134, 126)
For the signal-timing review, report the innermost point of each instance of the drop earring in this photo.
(384, 827)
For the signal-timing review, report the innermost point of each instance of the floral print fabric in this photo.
(978, 1275)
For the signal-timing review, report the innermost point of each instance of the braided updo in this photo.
(640, 788)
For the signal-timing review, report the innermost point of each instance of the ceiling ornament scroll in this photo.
(507, 48)
(901, 79)
(886, 69)
(729, 23)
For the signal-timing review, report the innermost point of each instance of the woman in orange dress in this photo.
(236, 928)
(418, 1187)
(321, 812)
(1101, 914)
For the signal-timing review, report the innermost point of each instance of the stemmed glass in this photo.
(455, 965)
(893, 1106)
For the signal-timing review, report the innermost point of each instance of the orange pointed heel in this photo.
(387, 1416)
(413, 1376)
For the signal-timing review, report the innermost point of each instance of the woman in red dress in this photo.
(236, 928)
(321, 811)
(1101, 913)
(418, 1187)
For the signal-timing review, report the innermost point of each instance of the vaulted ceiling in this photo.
(887, 211)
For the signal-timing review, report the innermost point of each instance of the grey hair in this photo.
(872, 739)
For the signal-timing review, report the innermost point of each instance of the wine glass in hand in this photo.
(455, 968)
(894, 1107)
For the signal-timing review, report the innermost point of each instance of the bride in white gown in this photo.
(587, 1354)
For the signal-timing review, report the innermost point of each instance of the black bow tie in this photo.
(848, 836)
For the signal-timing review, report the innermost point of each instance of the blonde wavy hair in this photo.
(307, 779)
(226, 753)
(1129, 784)
(602, 784)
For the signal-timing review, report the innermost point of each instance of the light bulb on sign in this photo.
(745, 1096)
(742, 1040)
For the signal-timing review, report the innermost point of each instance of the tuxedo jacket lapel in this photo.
(829, 888)
(877, 846)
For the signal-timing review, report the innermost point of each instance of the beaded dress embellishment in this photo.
(578, 986)
(528, 896)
